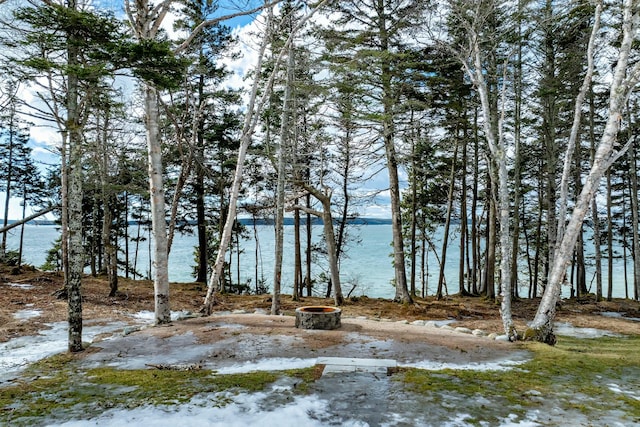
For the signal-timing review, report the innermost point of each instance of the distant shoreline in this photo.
(249, 221)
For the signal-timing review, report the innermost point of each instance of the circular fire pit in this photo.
(318, 317)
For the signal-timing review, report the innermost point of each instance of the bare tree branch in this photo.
(219, 19)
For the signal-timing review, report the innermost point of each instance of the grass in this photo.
(575, 376)
(55, 388)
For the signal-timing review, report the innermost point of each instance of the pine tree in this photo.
(373, 51)
(14, 160)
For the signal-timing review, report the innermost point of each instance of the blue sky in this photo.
(46, 136)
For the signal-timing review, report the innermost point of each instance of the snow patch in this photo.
(568, 330)
(495, 365)
(19, 352)
(272, 364)
(21, 285)
(244, 409)
(27, 314)
(150, 317)
(618, 389)
(617, 315)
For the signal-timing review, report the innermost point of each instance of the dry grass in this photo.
(136, 296)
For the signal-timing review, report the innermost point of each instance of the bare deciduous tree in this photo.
(624, 80)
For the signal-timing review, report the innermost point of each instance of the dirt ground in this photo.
(378, 319)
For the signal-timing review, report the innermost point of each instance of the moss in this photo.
(56, 388)
(576, 374)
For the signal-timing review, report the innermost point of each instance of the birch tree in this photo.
(624, 79)
(473, 17)
(145, 20)
(254, 108)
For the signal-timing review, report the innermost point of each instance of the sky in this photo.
(45, 137)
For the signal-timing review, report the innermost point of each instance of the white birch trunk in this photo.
(497, 149)
(623, 82)
(575, 129)
(145, 20)
(250, 123)
(279, 224)
(158, 217)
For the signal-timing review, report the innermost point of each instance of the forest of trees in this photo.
(511, 122)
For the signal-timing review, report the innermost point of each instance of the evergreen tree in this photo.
(67, 46)
(15, 159)
(369, 38)
(210, 137)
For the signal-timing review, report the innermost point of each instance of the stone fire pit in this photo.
(318, 317)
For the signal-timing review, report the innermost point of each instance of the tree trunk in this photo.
(447, 223)
(464, 233)
(635, 212)
(251, 120)
(610, 253)
(158, 218)
(493, 119)
(64, 206)
(597, 244)
(8, 185)
(623, 82)
(29, 218)
(329, 235)
(332, 251)
(283, 157)
(488, 282)
(309, 234)
(201, 276)
(297, 283)
(74, 194)
(579, 283)
(108, 205)
(111, 260)
(517, 167)
(126, 234)
(24, 213)
(475, 235)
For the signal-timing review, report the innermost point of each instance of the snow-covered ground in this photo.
(280, 405)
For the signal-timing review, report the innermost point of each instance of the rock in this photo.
(184, 315)
(130, 329)
(479, 333)
(463, 330)
(418, 322)
(431, 324)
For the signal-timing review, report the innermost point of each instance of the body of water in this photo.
(367, 268)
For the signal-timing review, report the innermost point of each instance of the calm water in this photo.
(368, 265)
